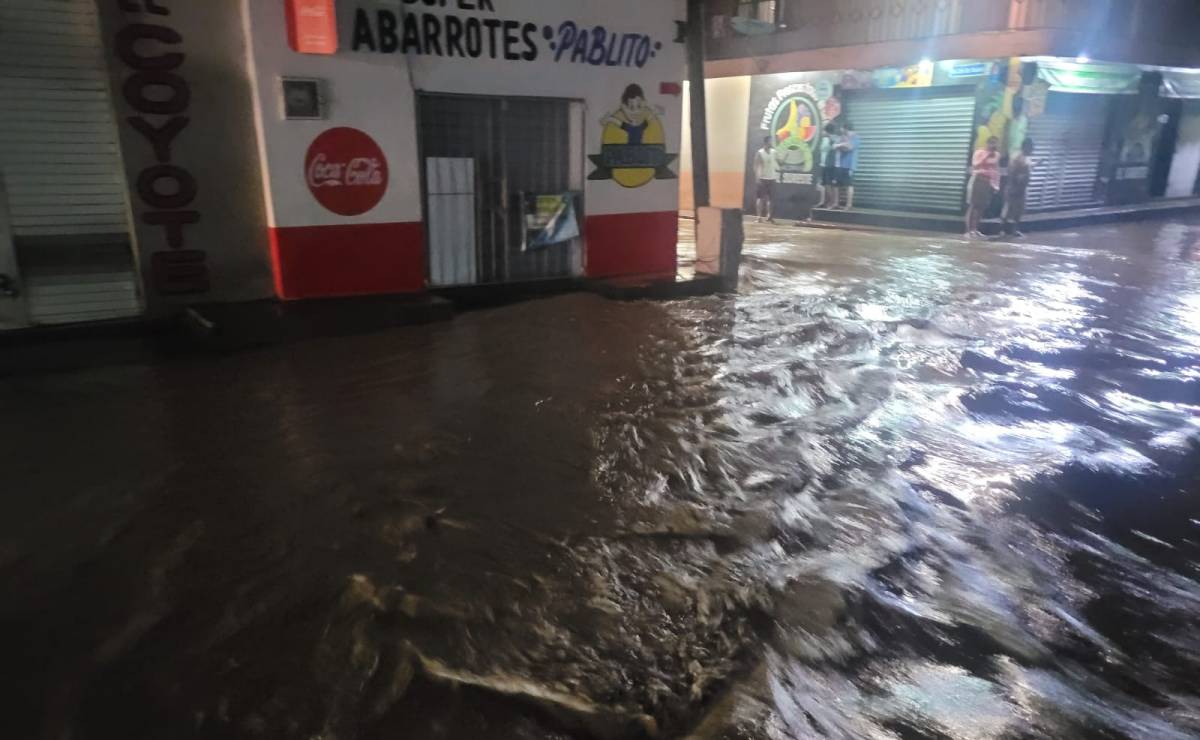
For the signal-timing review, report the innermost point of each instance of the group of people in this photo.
(985, 183)
(838, 157)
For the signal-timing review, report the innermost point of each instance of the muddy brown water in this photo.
(898, 487)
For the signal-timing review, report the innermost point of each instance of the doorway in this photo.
(1164, 147)
(487, 163)
(1183, 182)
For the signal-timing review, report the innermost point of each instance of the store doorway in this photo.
(493, 170)
(1164, 147)
(915, 147)
(1069, 137)
(1184, 178)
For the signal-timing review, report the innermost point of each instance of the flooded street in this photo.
(898, 487)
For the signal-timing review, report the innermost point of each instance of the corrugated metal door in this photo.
(519, 147)
(1068, 140)
(914, 149)
(61, 164)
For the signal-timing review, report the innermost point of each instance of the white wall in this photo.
(370, 92)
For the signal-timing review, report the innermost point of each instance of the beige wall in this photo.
(728, 101)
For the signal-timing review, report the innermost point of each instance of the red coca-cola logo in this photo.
(346, 171)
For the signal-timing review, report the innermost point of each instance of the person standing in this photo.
(983, 185)
(847, 161)
(827, 160)
(766, 175)
(1020, 167)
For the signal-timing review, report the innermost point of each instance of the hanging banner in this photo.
(550, 219)
(1103, 79)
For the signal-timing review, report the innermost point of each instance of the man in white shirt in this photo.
(766, 175)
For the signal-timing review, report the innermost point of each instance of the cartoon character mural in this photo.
(633, 149)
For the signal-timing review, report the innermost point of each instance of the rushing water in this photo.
(897, 487)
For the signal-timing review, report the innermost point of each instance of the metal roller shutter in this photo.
(913, 150)
(61, 164)
(1069, 139)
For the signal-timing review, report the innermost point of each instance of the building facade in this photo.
(1105, 134)
(1117, 131)
(159, 153)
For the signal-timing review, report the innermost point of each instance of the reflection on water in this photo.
(898, 487)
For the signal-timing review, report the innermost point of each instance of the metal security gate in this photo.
(1069, 141)
(63, 181)
(914, 148)
(484, 157)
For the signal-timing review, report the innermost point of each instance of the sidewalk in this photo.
(946, 223)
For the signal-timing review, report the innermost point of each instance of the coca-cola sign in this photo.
(346, 171)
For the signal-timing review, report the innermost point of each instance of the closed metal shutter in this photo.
(1068, 140)
(913, 150)
(61, 164)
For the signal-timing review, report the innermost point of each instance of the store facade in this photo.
(479, 116)
(1105, 134)
(246, 149)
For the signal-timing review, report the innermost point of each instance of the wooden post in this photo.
(695, 53)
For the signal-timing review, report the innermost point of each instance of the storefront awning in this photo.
(1103, 79)
(1181, 84)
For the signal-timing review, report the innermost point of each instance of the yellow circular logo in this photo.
(634, 177)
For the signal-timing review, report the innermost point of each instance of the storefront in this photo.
(157, 154)
(917, 142)
(1104, 133)
(915, 125)
(503, 142)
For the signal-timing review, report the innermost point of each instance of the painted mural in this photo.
(1005, 106)
(794, 119)
(793, 109)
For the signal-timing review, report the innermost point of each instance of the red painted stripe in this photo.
(632, 244)
(348, 259)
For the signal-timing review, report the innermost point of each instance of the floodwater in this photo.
(898, 487)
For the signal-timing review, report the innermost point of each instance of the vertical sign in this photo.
(185, 114)
(157, 91)
(312, 26)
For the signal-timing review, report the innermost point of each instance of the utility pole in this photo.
(695, 54)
